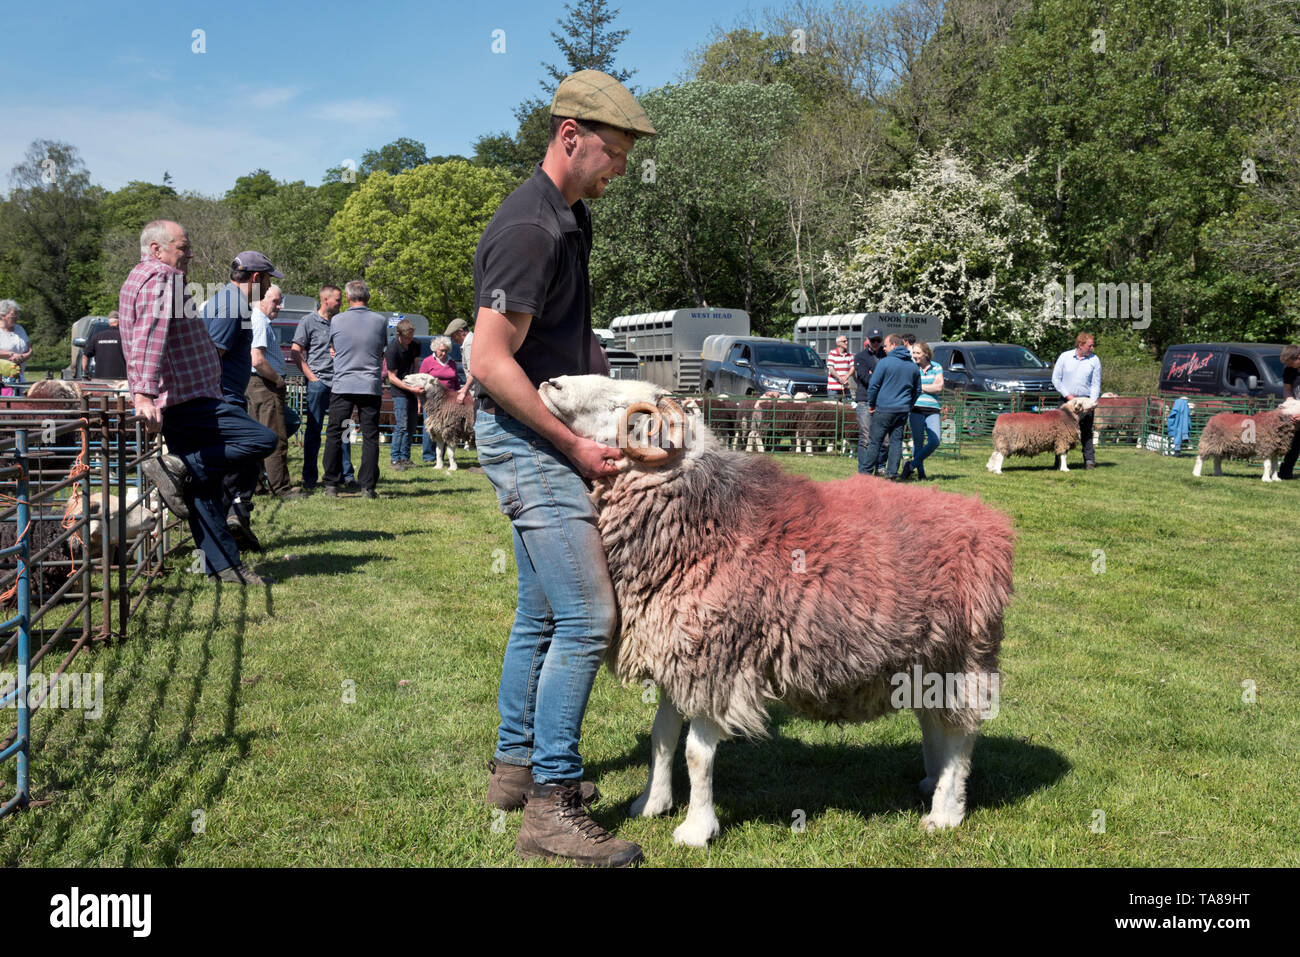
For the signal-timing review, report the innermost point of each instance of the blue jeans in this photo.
(566, 608)
(318, 406)
(405, 410)
(864, 440)
(215, 439)
(886, 425)
(924, 426)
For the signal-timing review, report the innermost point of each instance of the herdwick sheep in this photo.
(140, 514)
(1031, 433)
(823, 420)
(1119, 415)
(1264, 435)
(734, 592)
(447, 421)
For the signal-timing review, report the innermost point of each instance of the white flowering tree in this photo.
(954, 244)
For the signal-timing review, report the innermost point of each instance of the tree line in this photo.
(970, 158)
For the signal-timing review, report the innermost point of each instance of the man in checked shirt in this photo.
(175, 380)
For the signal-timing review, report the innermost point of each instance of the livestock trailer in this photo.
(667, 344)
(820, 332)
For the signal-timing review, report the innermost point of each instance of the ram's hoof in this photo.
(696, 832)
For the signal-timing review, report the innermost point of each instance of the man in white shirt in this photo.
(266, 390)
(1078, 373)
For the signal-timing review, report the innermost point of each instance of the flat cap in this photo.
(598, 97)
(455, 326)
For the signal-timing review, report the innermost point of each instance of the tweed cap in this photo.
(592, 95)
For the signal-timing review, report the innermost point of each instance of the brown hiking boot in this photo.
(556, 825)
(509, 786)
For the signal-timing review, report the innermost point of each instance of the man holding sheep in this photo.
(1078, 373)
(533, 323)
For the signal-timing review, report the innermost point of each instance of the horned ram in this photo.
(740, 585)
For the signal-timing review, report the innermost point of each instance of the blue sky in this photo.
(294, 86)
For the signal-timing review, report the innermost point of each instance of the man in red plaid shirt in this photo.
(175, 380)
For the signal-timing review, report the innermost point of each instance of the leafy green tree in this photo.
(134, 205)
(291, 225)
(412, 236)
(695, 220)
(249, 190)
(49, 237)
(518, 154)
(954, 244)
(1139, 112)
(393, 158)
(587, 42)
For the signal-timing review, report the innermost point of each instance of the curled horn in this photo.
(643, 454)
(676, 423)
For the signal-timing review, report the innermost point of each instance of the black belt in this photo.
(485, 404)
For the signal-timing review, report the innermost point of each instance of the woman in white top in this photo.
(14, 343)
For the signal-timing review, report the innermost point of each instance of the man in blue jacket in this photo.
(895, 387)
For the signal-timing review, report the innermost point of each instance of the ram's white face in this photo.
(592, 405)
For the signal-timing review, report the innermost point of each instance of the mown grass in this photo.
(1122, 693)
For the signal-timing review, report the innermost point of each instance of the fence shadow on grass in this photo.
(336, 536)
(318, 563)
(768, 780)
(144, 766)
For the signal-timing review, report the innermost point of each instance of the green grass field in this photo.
(344, 716)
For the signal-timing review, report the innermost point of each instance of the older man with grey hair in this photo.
(266, 391)
(15, 345)
(358, 338)
(174, 374)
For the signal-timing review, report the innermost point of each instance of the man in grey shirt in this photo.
(311, 352)
(358, 338)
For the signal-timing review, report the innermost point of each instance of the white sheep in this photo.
(739, 585)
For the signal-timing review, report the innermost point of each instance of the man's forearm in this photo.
(262, 366)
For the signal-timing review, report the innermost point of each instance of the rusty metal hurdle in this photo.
(106, 442)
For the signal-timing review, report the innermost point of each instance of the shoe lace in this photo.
(575, 816)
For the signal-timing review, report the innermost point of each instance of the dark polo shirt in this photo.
(229, 319)
(105, 347)
(533, 258)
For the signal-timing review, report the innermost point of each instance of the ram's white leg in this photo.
(1269, 474)
(993, 463)
(658, 794)
(438, 448)
(451, 457)
(930, 735)
(1061, 460)
(1218, 466)
(701, 823)
(952, 750)
(1196, 469)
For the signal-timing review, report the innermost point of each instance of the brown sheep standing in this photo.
(448, 422)
(1265, 435)
(1031, 433)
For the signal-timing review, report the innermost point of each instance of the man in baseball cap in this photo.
(532, 323)
(253, 261)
